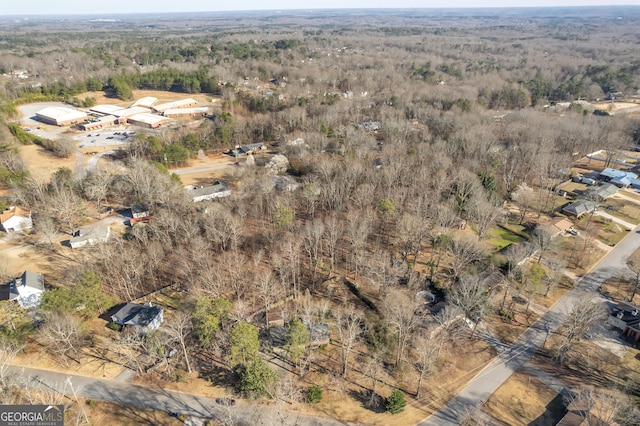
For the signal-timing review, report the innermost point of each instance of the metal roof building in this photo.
(60, 116)
(187, 112)
(182, 103)
(105, 109)
(145, 102)
(149, 120)
(98, 123)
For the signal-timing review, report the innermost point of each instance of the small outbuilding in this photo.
(139, 210)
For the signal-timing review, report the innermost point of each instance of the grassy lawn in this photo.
(630, 194)
(502, 236)
(623, 209)
(574, 187)
(524, 400)
(608, 231)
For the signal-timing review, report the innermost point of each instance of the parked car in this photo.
(573, 231)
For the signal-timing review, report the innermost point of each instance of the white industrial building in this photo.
(145, 102)
(105, 109)
(60, 116)
(187, 112)
(149, 120)
(182, 103)
(98, 123)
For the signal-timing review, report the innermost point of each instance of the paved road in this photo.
(200, 169)
(161, 399)
(480, 388)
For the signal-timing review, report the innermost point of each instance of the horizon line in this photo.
(321, 9)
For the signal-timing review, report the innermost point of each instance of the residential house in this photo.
(144, 318)
(15, 219)
(27, 290)
(626, 318)
(603, 192)
(91, 236)
(579, 208)
(246, 149)
(217, 190)
(557, 226)
(617, 177)
(285, 183)
(139, 210)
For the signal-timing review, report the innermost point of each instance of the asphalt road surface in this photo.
(128, 394)
(482, 386)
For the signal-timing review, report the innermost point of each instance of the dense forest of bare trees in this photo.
(413, 130)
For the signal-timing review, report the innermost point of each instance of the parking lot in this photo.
(117, 135)
(106, 137)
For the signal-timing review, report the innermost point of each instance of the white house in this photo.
(90, 236)
(15, 219)
(202, 193)
(27, 290)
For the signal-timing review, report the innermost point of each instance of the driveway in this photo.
(189, 405)
(483, 385)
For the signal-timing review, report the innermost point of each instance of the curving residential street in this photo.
(485, 383)
(189, 405)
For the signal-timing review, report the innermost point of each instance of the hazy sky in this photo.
(46, 7)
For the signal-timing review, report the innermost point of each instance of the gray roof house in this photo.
(603, 192)
(144, 317)
(579, 208)
(27, 290)
(217, 190)
(245, 149)
(91, 236)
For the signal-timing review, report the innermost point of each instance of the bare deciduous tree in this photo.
(349, 324)
(63, 334)
(586, 313)
(179, 328)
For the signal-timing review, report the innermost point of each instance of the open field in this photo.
(163, 96)
(41, 163)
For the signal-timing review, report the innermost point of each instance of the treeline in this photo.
(167, 79)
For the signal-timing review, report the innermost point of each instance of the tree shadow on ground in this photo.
(363, 396)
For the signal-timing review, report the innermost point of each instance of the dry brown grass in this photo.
(41, 163)
(524, 400)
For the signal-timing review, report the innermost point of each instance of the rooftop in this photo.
(61, 113)
(13, 211)
(181, 111)
(149, 119)
(134, 314)
(146, 102)
(174, 104)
